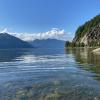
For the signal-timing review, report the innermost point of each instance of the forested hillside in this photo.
(87, 34)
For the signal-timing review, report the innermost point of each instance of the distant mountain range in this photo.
(9, 41)
(48, 43)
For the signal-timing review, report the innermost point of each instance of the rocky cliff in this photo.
(87, 34)
(92, 37)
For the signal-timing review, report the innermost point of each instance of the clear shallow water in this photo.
(49, 74)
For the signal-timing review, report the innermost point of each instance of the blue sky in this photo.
(33, 16)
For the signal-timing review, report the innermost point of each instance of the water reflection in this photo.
(49, 74)
(89, 61)
(9, 55)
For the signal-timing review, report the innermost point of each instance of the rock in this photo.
(97, 51)
(91, 37)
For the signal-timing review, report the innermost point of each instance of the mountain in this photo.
(48, 43)
(87, 34)
(9, 41)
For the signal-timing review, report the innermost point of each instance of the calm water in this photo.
(49, 74)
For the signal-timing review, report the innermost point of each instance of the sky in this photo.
(33, 19)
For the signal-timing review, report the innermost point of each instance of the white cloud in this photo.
(4, 31)
(54, 33)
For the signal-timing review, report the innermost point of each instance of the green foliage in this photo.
(71, 44)
(82, 30)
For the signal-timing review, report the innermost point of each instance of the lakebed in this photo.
(49, 74)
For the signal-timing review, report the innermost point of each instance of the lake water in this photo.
(49, 74)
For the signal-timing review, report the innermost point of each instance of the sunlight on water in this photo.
(48, 74)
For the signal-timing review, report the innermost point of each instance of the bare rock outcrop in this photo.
(92, 36)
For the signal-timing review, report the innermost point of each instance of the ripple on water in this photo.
(54, 76)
